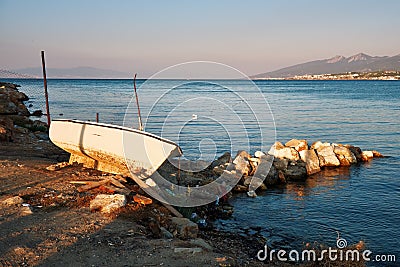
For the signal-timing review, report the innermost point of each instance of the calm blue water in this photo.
(362, 202)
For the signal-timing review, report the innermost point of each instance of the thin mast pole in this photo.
(137, 104)
(46, 95)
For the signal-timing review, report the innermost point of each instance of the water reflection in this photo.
(326, 180)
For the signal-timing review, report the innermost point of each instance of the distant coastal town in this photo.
(376, 75)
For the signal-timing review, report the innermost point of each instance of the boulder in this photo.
(272, 177)
(241, 162)
(280, 151)
(367, 155)
(6, 129)
(225, 158)
(166, 234)
(107, 203)
(296, 170)
(377, 154)
(7, 108)
(184, 228)
(265, 171)
(318, 144)
(344, 155)
(280, 164)
(327, 157)
(259, 154)
(281, 177)
(356, 151)
(299, 145)
(312, 161)
(11, 201)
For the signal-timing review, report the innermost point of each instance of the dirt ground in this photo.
(54, 225)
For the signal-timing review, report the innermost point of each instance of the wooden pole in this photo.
(137, 103)
(46, 95)
(97, 117)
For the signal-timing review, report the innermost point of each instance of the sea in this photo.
(207, 118)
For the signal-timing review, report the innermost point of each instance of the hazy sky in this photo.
(147, 36)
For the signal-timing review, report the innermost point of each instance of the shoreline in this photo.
(47, 220)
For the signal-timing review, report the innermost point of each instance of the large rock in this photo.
(280, 164)
(356, 151)
(272, 177)
(259, 154)
(107, 203)
(318, 144)
(299, 145)
(11, 201)
(367, 155)
(327, 157)
(241, 162)
(296, 170)
(6, 129)
(184, 228)
(280, 151)
(312, 161)
(263, 167)
(225, 158)
(11, 100)
(7, 107)
(344, 155)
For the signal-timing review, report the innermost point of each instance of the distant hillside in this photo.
(338, 64)
(13, 75)
(78, 72)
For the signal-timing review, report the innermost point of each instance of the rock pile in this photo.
(295, 160)
(14, 115)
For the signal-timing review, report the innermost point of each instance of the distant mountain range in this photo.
(78, 72)
(338, 64)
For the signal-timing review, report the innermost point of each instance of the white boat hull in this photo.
(112, 148)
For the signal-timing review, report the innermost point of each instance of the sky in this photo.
(148, 36)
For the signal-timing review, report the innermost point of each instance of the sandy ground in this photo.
(58, 227)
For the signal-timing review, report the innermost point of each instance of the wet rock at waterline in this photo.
(285, 163)
(312, 161)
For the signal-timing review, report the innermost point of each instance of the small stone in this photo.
(239, 188)
(142, 199)
(58, 166)
(377, 154)
(107, 203)
(25, 210)
(13, 201)
(259, 154)
(184, 227)
(251, 193)
(166, 234)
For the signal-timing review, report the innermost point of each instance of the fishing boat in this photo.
(111, 148)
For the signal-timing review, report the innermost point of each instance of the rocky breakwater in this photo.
(294, 160)
(15, 122)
